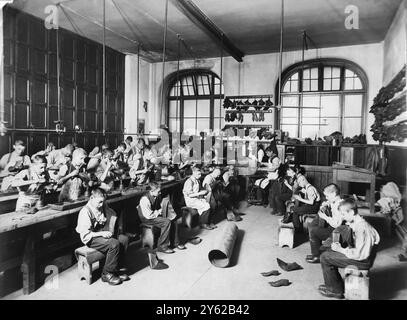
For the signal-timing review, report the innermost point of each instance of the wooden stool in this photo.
(190, 217)
(286, 234)
(86, 258)
(147, 236)
(356, 283)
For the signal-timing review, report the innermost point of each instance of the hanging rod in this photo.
(251, 96)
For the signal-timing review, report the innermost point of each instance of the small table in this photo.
(354, 174)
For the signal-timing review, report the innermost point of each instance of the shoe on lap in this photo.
(213, 226)
(111, 279)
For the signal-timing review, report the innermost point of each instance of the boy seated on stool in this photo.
(306, 204)
(329, 217)
(73, 177)
(31, 185)
(153, 215)
(104, 172)
(96, 227)
(361, 255)
(12, 163)
(195, 198)
(217, 197)
(264, 185)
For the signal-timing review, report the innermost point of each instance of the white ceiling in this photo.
(253, 26)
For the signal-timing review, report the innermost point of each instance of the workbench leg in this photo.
(28, 267)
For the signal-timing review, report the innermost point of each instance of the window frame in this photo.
(178, 77)
(321, 64)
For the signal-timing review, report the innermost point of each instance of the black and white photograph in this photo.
(215, 152)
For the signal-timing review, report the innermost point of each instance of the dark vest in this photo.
(155, 204)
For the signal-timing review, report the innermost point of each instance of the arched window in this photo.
(322, 96)
(194, 101)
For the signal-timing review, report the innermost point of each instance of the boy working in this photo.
(31, 184)
(195, 198)
(329, 218)
(96, 227)
(12, 163)
(361, 255)
(152, 214)
(308, 204)
(73, 177)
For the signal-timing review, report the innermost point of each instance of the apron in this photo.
(201, 205)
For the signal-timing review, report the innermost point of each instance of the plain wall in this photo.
(130, 97)
(395, 46)
(258, 74)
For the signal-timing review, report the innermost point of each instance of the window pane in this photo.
(306, 74)
(306, 85)
(328, 125)
(336, 84)
(353, 105)
(190, 108)
(203, 108)
(314, 73)
(348, 83)
(294, 76)
(289, 112)
(291, 129)
(174, 125)
(349, 73)
(311, 120)
(352, 126)
(173, 109)
(203, 124)
(287, 87)
(189, 126)
(289, 120)
(336, 72)
(310, 101)
(290, 101)
(314, 85)
(327, 72)
(358, 84)
(327, 84)
(309, 131)
(308, 112)
(294, 86)
(330, 106)
(217, 122)
(218, 108)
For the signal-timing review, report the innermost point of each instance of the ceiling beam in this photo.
(202, 21)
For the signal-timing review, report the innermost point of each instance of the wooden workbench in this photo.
(26, 240)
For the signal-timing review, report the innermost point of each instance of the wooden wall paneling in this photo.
(31, 70)
(38, 142)
(55, 139)
(5, 144)
(67, 138)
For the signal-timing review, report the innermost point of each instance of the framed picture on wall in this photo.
(141, 126)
